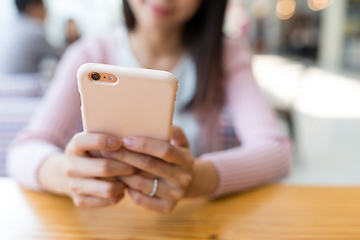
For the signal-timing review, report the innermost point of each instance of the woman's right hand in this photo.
(83, 175)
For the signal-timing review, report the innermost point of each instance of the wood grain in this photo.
(273, 212)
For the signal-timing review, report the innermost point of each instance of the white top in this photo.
(185, 72)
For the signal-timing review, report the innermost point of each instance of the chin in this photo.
(157, 24)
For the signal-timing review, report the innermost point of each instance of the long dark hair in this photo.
(203, 37)
(22, 4)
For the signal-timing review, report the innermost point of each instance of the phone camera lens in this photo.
(95, 76)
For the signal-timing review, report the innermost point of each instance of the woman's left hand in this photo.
(171, 163)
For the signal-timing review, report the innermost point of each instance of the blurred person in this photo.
(237, 21)
(218, 103)
(23, 44)
(71, 32)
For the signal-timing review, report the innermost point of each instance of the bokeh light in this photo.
(285, 9)
(317, 5)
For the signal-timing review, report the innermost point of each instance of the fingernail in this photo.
(128, 142)
(112, 142)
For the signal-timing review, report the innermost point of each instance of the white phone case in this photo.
(140, 103)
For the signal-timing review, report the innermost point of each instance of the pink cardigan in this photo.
(264, 154)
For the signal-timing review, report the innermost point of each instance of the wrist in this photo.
(52, 176)
(204, 181)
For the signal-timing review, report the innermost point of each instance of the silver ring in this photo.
(155, 186)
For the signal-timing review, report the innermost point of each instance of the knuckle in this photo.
(167, 208)
(190, 159)
(101, 141)
(76, 142)
(148, 162)
(176, 194)
(73, 186)
(76, 138)
(191, 162)
(105, 168)
(141, 144)
(185, 180)
(67, 150)
(139, 183)
(69, 170)
(173, 173)
(137, 198)
(79, 201)
(109, 190)
(166, 150)
(115, 200)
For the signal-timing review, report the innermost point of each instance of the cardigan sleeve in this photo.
(52, 124)
(265, 152)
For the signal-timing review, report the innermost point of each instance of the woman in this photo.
(184, 37)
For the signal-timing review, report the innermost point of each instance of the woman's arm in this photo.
(56, 119)
(51, 125)
(265, 152)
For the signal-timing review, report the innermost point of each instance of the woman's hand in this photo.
(83, 175)
(171, 163)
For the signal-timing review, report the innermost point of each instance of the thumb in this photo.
(178, 137)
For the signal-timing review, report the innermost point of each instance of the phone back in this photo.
(140, 102)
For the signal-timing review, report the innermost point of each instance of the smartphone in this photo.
(122, 101)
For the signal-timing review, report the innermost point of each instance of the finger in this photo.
(152, 203)
(152, 165)
(96, 188)
(146, 185)
(145, 174)
(178, 137)
(143, 184)
(157, 148)
(83, 201)
(83, 142)
(97, 167)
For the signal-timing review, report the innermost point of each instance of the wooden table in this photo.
(273, 212)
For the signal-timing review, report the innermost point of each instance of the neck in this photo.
(35, 11)
(35, 18)
(153, 48)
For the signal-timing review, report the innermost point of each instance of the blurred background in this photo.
(306, 61)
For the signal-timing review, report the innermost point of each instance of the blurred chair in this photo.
(280, 80)
(20, 94)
